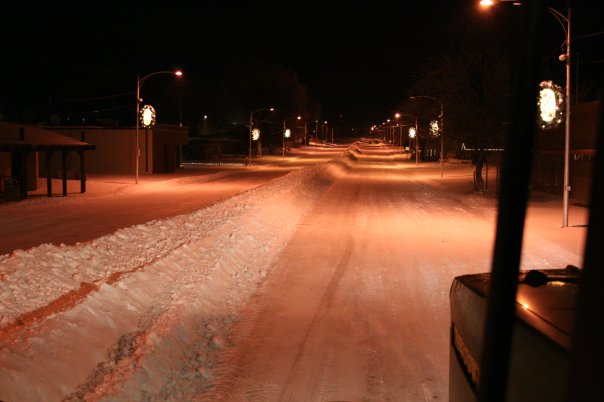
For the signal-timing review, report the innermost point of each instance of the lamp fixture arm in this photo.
(144, 78)
(563, 20)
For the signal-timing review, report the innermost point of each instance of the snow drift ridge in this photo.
(120, 306)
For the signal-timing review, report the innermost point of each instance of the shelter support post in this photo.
(22, 176)
(49, 173)
(64, 168)
(21, 167)
(82, 171)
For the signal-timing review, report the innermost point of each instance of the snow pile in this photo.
(111, 314)
(33, 278)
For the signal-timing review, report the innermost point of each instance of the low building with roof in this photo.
(160, 147)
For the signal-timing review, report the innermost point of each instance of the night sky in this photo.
(357, 58)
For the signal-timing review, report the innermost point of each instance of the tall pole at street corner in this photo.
(249, 158)
(566, 192)
(442, 139)
(138, 105)
(139, 83)
(416, 144)
(400, 135)
(252, 131)
(283, 141)
(286, 133)
(564, 21)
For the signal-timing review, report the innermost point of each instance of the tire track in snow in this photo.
(295, 388)
(236, 379)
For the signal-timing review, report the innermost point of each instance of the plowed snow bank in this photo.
(104, 317)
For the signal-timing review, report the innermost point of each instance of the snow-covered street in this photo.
(330, 281)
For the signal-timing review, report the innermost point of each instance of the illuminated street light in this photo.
(434, 129)
(286, 131)
(147, 116)
(413, 134)
(397, 116)
(489, 3)
(564, 21)
(254, 135)
(139, 83)
(550, 102)
(390, 132)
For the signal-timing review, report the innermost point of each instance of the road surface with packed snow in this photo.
(328, 283)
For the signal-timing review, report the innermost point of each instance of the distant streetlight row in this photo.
(254, 132)
(437, 127)
(139, 82)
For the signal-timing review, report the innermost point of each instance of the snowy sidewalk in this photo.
(114, 202)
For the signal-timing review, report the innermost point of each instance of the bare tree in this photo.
(474, 88)
(246, 86)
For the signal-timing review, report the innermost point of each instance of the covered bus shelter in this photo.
(21, 150)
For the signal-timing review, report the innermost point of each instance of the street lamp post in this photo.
(252, 128)
(306, 136)
(416, 144)
(400, 126)
(390, 133)
(285, 129)
(564, 21)
(400, 140)
(414, 134)
(441, 129)
(139, 83)
(566, 192)
(397, 116)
